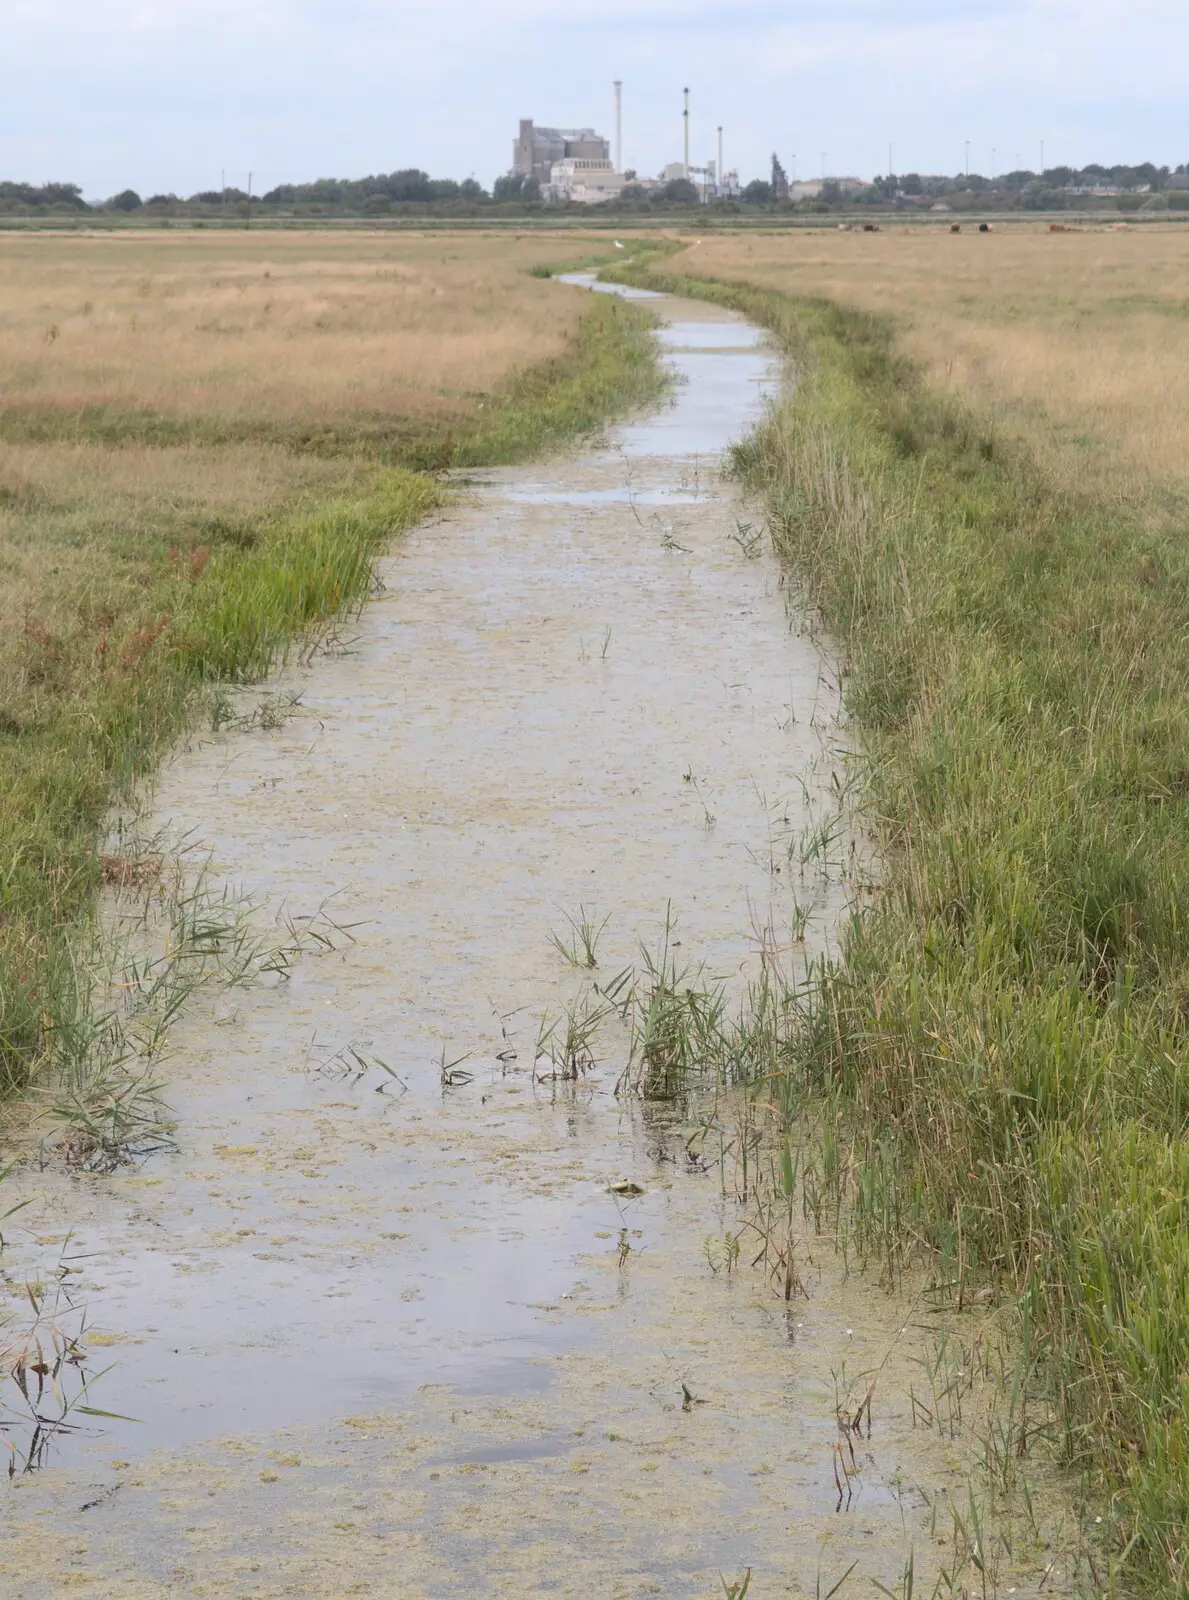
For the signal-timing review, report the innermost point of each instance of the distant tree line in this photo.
(410, 190)
(42, 197)
(378, 195)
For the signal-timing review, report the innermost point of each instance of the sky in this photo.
(168, 95)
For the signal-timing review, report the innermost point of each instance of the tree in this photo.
(517, 186)
(1037, 196)
(758, 193)
(680, 192)
(410, 183)
(126, 200)
(911, 183)
(633, 191)
(780, 182)
(469, 189)
(328, 190)
(64, 194)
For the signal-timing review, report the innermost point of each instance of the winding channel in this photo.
(410, 1344)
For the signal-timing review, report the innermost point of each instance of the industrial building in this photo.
(811, 188)
(537, 151)
(584, 181)
(707, 180)
(574, 165)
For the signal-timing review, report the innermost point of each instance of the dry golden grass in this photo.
(1080, 340)
(276, 326)
(237, 332)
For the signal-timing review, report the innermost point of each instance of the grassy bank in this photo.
(1075, 343)
(1009, 1025)
(108, 660)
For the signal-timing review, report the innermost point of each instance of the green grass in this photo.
(102, 702)
(1009, 1024)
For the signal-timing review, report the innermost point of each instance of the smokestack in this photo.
(685, 116)
(719, 175)
(618, 125)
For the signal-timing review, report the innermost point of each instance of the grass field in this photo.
(162, 392)
(1007, 1031)
(1077, 342)
(203, 442)
(241, 332)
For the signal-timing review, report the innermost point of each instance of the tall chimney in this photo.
(618, 125)
(685, 116)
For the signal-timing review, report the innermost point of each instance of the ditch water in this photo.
(385, 1336)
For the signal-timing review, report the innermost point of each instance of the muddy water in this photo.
(407, 1343)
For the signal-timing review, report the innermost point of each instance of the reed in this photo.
(1007, 1026)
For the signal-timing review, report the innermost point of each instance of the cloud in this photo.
(165, 93)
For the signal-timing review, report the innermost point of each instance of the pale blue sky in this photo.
(164, 94)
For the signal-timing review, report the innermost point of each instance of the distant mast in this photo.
(685, 119)
(619, 125)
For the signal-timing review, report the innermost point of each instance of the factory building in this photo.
(811, 188)
(584, 181)
(707, 180)
(537, 151)
(574, 167)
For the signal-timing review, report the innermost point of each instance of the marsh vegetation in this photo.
(203, 445)
(1007, 1022)
(1075, 344)
(983, 1096)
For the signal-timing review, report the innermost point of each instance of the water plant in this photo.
(45, 1378)
(568, 1042)
(748, 537)
(580, 947)
(169, 935)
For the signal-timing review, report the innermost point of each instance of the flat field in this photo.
(1077, 340)
(242, 329)
(203, 438)
(165, 390)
